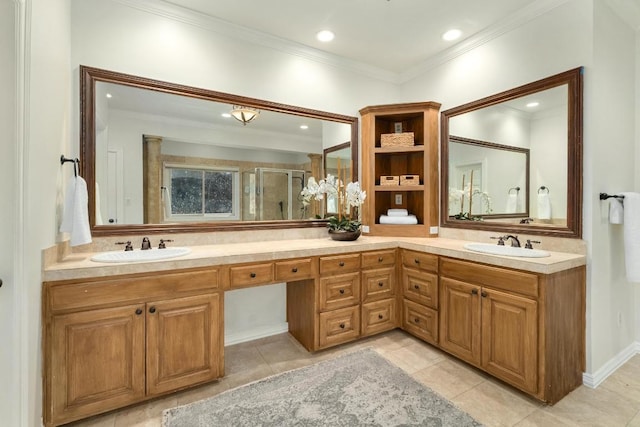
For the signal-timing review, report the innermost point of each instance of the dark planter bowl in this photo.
(344, 236)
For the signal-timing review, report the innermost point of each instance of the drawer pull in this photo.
(152, 309)
(341, 325)
(380, 316)
(294, 270)
(483, 293)
(253, 275)
(417, 261)
(341, 264)
(474, 291)
(138, 311)
(381, 284)
(416, 287)
(342, 291)
(380, 259)
(416, 320)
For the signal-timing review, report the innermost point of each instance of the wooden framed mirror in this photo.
(545, 119)
(159, 157)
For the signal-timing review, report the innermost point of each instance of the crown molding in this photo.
(492, 32)
(236, 32)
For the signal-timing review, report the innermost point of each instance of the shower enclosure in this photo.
(272, 194)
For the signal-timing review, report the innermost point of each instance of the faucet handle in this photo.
(500, 240)
(146, 244)
(162, 245)
(127, 246)
(529, 245)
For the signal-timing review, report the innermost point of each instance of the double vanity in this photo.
(120, 333)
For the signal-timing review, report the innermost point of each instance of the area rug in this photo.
(356, 389)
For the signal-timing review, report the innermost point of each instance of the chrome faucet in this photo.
(146, 244)
(514, 240)
(526, 220)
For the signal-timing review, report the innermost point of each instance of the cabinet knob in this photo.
(483, 293)
(380, 259)
(474, 291)
(417, 261)
(380, 316)
(152, 309)
(416, 287)
(342, 291)
(416, 320)
(138, 311)
(294, 269)
(381, 284)
(253, 275)
(341, 325)
(341, 264)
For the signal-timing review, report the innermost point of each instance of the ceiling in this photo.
(391, 35)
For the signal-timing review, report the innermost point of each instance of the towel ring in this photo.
(514, 188)
(543, 188)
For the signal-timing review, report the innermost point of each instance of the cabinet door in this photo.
(339, 326)
(460, 319)
(338, 291)
(184, 345)
(510, 338)
(378, 284)
(97, 361)
(420, 286)
(378, 316)
(420, 321)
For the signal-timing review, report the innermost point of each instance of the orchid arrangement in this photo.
(349, 198)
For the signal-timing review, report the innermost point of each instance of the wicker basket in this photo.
(389, 180)
(404, 139)
(409, 179)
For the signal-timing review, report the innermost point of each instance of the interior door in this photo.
(9, 325)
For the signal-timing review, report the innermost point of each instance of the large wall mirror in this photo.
(162, 157)
(513, 161)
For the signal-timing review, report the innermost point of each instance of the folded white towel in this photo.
(405, 220)
(544, 206)
(631, 233)
(75, 219)
(397, 212)
(616, 211)
(512, 203)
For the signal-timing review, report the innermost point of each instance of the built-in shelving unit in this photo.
(419, 159)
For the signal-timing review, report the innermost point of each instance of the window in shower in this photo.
(199, 193)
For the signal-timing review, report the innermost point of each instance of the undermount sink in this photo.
(493, 249)
(140, 255)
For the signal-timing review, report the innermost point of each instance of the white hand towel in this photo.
(404, 220)
(631, 233)
(75, 219)
(397, 212)
(616, 211)
(98, 208)
(544, 206)
(512, 203)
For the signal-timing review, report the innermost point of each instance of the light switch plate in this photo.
(398, 199)
(397, 127)
(365, 228)
(433, 230)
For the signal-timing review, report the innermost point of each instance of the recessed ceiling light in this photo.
(225, 115)
(451, 35)
(304, 127)
(109, 95)
(533, 104)
(325, 36)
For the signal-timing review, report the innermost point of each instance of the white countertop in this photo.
(80, 266)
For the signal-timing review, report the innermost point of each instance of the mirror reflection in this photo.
(514, 159)
(162, 158)
(337, 159)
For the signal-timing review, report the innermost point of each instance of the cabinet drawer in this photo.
(339, 263)
(420, 286)
(420, 260)
(499, 278)
(298, 269)
(251, 275)
(378, 259)
(420, 321)
(134, 288)
(378, 284)
(378, 316)
(339, 291)
(339, 326)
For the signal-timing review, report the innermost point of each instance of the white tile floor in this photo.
(614, 403)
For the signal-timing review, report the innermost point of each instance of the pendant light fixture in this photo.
(244, 114)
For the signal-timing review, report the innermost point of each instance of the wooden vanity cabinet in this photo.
(523, 328)
(379, 295)
(111, 343)
(420, 295)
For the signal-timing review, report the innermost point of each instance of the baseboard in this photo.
(255, 333)
(595, 379)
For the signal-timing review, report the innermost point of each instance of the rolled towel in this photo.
(397, 212)
(631, 232)
(544, 206)
(616, 211)
(75, 219)
(512, 203)
(400, 220)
